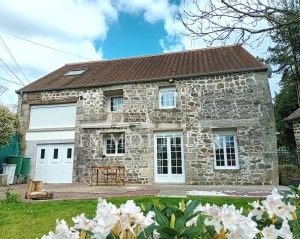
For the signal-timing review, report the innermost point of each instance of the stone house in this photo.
(202, 117)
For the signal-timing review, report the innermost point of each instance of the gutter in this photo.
(255, 69)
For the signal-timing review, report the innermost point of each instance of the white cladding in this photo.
(52, 116)
(51, 135)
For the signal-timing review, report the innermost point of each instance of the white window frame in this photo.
(109, 101)
(222, 134)
(115, 140)
(165, 91)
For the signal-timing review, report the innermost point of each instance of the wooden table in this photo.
(109, 170)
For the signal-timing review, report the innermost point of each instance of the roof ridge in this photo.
(152, 55)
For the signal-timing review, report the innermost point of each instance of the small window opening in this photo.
(69, 153)
(55, 154)
(75, 72)
(42, 153)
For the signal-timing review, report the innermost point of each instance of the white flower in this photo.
(83, 223)
(286, 212)
(107, 216)
(50, 236)
(148, 219)
(238, 233)
(273, 203)
(131, 210)
(229, 217)
(214, 212)
(257, 211)
(61, 226)
(270, 232)
(248, 226)
(285, 231)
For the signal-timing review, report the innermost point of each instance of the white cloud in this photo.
(75, 27)
(69, 26)
(153, 10)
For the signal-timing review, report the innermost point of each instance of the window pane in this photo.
(69, 153)
(162, 100)
(225, 154)
(55, 154)
(116, 103)
(110, 146)
(167, 97)
(42, 153)
(121, 146)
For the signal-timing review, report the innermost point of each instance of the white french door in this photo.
(54, 163)
(169, 160)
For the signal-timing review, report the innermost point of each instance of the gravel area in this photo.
(66, 195)
(21, 189)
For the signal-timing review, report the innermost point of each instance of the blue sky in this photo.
(132, 36)
(98, 29)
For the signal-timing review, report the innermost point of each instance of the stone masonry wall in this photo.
(239, 101)
(296, 129)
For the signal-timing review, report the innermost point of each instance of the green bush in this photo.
(11, 197)
(287, 173)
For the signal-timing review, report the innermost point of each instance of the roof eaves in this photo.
(255, 69)
(293, 116)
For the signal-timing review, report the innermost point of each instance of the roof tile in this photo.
(184, 63)
(294, 115)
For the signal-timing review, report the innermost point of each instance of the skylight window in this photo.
(75, 72)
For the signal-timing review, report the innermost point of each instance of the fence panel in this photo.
(288, 157)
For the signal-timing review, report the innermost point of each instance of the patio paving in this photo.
(82, 190)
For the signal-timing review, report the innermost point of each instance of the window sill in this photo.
(165, 108)
(226, 168)
(119, 155)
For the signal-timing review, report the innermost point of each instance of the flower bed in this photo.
(274, 217)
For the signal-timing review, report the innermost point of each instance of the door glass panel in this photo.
(42, 153)
(55, 154)
(162, 156)
(176, 161)
(69, 153)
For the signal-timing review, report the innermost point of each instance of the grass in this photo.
(34, 219)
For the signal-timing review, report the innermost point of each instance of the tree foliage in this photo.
(10, 125)
(285, 103)
(285, 54)
(247, 21)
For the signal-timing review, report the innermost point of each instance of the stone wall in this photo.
(296, 129)
(239, 101)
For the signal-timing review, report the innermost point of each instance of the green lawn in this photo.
(35, 219)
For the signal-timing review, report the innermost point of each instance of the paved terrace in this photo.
(82, 191)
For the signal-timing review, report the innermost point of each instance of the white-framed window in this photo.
(114, 147)
(115, 103)
(167, 98)
(225, 149)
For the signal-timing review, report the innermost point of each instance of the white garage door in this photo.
(54, 163)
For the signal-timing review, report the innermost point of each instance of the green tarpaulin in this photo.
(11, 149)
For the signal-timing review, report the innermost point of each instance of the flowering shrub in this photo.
(274, 217)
